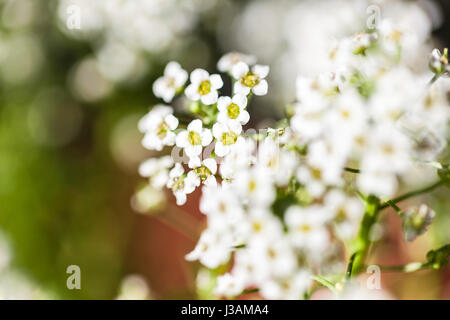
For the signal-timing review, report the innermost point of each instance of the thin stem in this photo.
(410, 267)
(348, 274)
(352, 170)
(413, 194)
(326, 283)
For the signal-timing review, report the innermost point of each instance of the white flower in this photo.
(203, 171)
(194, 138)
(255, 186)
(229, 285)
(213, 249)
(173, 80)
(346, 213)
(289, 288)
(307, 228)
(177, 182)
(233, 110)
(389, 150)
(157, 169)
(279, 162)
(416, 221)
(230, 59)
(439, 62)
(380, 183)
(227, 136)
(222, 207)
(239, 158)
(275, 257)
(250, 80)
(204, 87)
(158, 126)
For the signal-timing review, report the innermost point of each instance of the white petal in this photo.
(244, 117)
(235, 126)
(171, 121)
(220, 149)
(239, 69)
(192, 92)
(180, 78)
(211, 164)
(181, 140)
(239, 88)
(223, 103)
(261, 71)
(261, 88)
(216, 81)
(206, 137)
(172, 69)
(193, 151)
(218, 129)
(240, 100)
(198, 75)
(194, 162)
(195, 125)
(181, 197)
(210, 98)
(211, 181)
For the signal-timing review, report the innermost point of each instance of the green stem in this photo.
(348, 274)
(362, 243)
(326, 283)
(413, 194)
(352, 170)
(410, 267)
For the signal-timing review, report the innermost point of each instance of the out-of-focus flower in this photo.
(228, 61)
(158, 125)
(173, 80)
(133, 287)
(439, 61)
(416, 221)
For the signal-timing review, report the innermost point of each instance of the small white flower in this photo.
(289, 288)
(255, 186)
(416, 221)
(177, 182)
(250, 80)
(173, 80)
(158, 126)
(346, 213)
(204, 87)
(194, 138)
(307, 228)
(213, 249)
(227, 136)
(233, 110)
(157, 169)
(229, 285)
(230, 59)
(202, 171)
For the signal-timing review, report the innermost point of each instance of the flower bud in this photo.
(439, 61)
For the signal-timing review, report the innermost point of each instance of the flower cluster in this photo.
(285, 203)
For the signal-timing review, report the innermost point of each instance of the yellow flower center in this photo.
(305, 228)
(204, 88)
(233, 111)
(229, 138)
(170, 82)
(161, 132)
(203, 173)
(178, 183)
(250, 79)
(341, 215)
(194, 138)
(252, 185)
